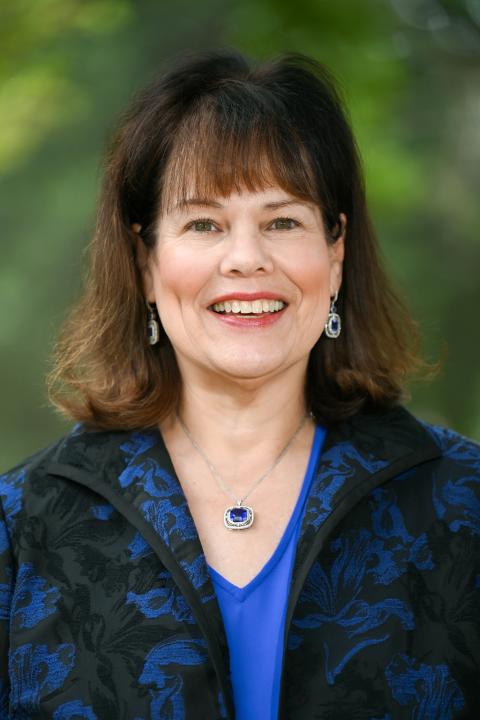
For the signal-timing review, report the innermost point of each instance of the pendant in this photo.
(238, 517)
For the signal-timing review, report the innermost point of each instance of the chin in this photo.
(250, 368)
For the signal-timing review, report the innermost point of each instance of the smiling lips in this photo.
(246, 307)
(248, 310)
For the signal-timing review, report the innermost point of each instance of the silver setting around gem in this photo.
(153, 333)
(238, 517)
(333, 326)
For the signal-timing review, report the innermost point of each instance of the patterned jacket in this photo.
(107, 610)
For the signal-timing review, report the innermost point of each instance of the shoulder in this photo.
(38, 462)
(81, 447)
(84, 448)
(12, 482)
(32, 462)
(397, 427)
(453, 457)
(429, 461)
(428, 482)
(455, 480)
(454, 447)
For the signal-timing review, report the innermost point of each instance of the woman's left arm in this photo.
(6, 589)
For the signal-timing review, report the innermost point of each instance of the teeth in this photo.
(244, 307)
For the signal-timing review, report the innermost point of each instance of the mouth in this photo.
(248, 308)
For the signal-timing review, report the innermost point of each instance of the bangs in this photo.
(227, 145)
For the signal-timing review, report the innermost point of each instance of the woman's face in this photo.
(243, 284)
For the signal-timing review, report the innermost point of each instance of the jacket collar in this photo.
(133, 471)
(358, 455)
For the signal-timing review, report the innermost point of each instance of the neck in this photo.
(242, 424)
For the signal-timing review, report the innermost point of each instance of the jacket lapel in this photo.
(133, 471)
(358, 455)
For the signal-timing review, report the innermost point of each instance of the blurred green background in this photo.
(410, 72)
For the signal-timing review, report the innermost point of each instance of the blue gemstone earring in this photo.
(333, 326)
(153, 326)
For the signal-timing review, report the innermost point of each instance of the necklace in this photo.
(239, 516)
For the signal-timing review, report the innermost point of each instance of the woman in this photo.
(245, 522)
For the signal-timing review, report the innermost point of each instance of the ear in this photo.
(143, 258)
(336, 251)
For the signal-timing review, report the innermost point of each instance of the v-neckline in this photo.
(240, 593)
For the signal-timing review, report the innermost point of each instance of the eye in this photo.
(285, 223)
(200, 225)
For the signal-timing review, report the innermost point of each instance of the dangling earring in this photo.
(333, 326)
(153, 326)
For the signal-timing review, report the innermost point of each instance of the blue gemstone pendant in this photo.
(238, 517)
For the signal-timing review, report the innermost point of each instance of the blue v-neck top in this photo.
(254, 616)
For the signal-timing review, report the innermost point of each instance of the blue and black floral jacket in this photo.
(107, 610)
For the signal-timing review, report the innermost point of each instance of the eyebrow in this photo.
(196, 202)
(285, 203)
(206, 202)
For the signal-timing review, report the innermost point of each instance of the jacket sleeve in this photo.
(6, 590)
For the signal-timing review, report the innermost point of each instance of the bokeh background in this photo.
(410, 73)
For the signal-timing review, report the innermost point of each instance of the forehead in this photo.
(215, 161)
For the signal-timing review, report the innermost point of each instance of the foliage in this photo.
(410, 75)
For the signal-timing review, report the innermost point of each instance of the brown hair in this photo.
(216, 122)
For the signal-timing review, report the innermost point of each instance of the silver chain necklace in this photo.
(239, 516)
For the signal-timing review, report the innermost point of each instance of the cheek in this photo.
(310, 271)
(177, 277)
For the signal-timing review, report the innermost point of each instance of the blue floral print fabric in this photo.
(107, 610)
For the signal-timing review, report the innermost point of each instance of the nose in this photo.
(245, 253)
